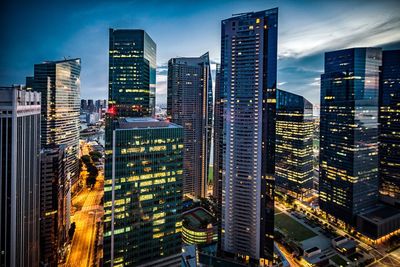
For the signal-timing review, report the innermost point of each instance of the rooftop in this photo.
(316, 259)
(339, 238)
(349, 244)
(197, 218)
(381, 213)
(145, 122)
(311, 249)
(60, 61)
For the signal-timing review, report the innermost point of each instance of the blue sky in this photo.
(35, 31)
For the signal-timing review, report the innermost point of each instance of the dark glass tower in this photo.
(190, 105)
(248, 76)
(59, 83)
(294, 144)
(54, 207)
(143, 168)
(218, 150)
(20, 177)
(389, 119)
(132, 73)
(131, 81)
(143, 196)
(348, 181)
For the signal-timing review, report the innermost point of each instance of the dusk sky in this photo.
(36, 31)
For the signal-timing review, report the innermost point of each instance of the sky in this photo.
(36, 31)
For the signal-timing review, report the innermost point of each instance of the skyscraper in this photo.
(132, 73)
(54, 208)
(294, 144)
(218, 150)
(59, 84)
(348, 182)
(84, 105)
(389, 121)
(29, 80)
(20, 177)
(248, 76)
(189, 102)
(143, 196)
(143, 169)
(91, 107)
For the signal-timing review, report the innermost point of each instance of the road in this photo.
(88, 211)
(85, 218)
(292, 262)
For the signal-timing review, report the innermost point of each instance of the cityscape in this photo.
(194, 134)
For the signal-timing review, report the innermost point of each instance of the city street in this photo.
(86, 211)
(291, 260)
(85, 218)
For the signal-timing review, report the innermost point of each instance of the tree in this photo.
(85, 159)
(91, 180)
(95, 158)
(80, 165)
(289, 199)
(71, 230)
(95, 153)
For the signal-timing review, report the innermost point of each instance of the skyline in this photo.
(119, 152)
(192, 30)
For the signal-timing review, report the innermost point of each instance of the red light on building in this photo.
(112, 110)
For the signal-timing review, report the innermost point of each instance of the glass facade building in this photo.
(294, 144)
(20, 177)
(143, 196)
(59, 84)
(348, 182)
(218, 151)
(248, 78)
(132, 80)
(132, 73)
(389, 121)
(190, 105)
(144, 161)
(54, 207)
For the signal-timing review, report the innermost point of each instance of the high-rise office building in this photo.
(248, 76)
(294, 144)
(91, 107)
(143, 195)
(218, 151)
(97, 104)
(20, 177)
(59, 84)
(29, 80)
(131, 81)
(84, 105)
(348, 182)
(189, 101)
(132, 73)
(54, 208)
(389, 121)
(144, 162)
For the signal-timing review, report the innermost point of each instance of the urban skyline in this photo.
(235, 168)
(307, 29)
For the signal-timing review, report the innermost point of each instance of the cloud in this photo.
(281, 83)
(161, 89)
(306, 30)
(343, 30)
